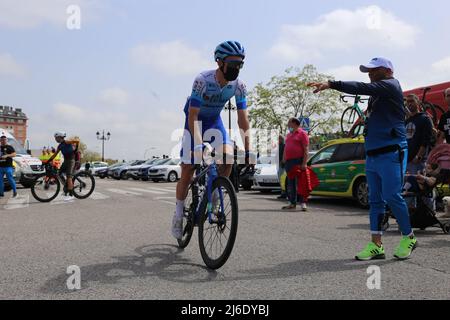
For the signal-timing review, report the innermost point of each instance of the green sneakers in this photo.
(402, 252)
(405, 248)
(371, 251)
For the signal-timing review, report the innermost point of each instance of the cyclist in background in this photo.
(211, 91)
(66, 147)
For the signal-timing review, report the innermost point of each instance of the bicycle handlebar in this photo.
(357, 98)
(425, 90)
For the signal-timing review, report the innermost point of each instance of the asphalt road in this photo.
(120, 238)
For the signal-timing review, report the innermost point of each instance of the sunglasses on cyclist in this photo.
(237, 64)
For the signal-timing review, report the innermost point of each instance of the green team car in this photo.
(340, 167)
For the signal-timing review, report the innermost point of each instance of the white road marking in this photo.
(168, 202)
(98, 196)
(124, 192)
(147, 190)
(19, 202)
(60, 200)
(161, 189)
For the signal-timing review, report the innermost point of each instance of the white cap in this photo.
(377, 63)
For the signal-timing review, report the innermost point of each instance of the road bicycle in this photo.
(353, 118)
(433, 110)
(211, 206)
(47, 186)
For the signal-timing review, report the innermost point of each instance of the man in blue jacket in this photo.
(387, 153)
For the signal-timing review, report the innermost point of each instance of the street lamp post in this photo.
(229, 107)
(103, 138)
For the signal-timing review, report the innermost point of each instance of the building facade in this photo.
(14, 120)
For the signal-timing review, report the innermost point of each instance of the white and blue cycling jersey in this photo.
(210, 98)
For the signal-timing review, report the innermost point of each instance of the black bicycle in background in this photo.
(47, 186)
(433, 110)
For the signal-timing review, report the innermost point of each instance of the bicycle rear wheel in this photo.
(189, 217)
(351, 122)
(217, 237)
(45, 188)
(83, 185)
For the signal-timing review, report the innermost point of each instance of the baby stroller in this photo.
(422, 215)
(421, 202)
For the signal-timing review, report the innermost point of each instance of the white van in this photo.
(26, 166)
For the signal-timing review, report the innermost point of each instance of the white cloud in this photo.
(10, 67)
(171, 58)
(68, 112)
(442, 65)
(24, 14)
(114, 96)
(426, 74)
(344, 30)
(132, 133)
(347, 73)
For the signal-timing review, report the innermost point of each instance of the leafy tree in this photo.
(286, 96)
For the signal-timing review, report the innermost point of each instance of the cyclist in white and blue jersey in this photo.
(210, 93)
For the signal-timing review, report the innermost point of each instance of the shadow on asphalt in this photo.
(160, 260)
(166, 263)
(329, 203)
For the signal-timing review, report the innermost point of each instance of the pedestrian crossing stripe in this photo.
(163, 190)
(123, 192)
(147, 190)
(98, 196)
(23, 201)
(18, 203)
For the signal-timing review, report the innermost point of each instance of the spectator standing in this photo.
(295, 154)
(6, 166)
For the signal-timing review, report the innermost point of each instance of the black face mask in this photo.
(231, 74)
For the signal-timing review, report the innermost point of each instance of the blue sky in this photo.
(131, 65)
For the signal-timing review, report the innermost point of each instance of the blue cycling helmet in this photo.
(229, 48)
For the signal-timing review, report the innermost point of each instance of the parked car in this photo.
(120, 173)
(107, 173)
(95, 166)
(102, 173)
(169, 171)
(246, 176)
(26, 167)
(266, 175)
(143, 171)
(133, 171)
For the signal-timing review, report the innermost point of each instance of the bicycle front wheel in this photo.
(352, 123)
(83, 185)
(217, 233)
(45, 188)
